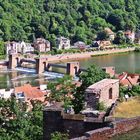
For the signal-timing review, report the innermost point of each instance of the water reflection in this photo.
(13, 79)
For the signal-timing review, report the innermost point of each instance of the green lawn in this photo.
(133, 135)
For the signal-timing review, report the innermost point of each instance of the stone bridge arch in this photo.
(72, 68)
(14, 61)
(41, 65)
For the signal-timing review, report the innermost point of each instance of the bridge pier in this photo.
(72, 68)
(14, 60)
(41, 65)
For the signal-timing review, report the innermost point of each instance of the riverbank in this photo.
(84, 55)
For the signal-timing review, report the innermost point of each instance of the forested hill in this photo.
(76, 19)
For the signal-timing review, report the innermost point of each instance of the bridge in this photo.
(42, 64)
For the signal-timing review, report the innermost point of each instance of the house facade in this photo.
(42, 45)
(63, 43)
(79, 44)
(110, 33)
(101, 44)
(106, 91)
(137, 37)
(130, 35)
(18, 47)
(6, 93)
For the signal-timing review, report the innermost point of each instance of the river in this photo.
(129, 62)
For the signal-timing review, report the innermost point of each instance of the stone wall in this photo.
(118, 127)
(75, 125)
(104, 95)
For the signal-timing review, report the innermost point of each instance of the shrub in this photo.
(59, 136)
(101, 106)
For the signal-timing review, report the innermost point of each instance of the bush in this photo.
(101, 106)
(59, 136)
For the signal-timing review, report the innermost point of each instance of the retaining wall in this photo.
(118, 127)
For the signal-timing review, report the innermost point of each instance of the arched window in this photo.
(75, 69)
(110, 93)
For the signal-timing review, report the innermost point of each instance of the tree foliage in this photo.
(16, 122)
(76, 19)
(61, 89)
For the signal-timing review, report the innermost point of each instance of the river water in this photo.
(129, 62)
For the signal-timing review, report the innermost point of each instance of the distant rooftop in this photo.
(100, 85)
(29, 91)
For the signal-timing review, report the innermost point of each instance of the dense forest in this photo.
(76, 19)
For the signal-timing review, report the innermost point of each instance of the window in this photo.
(104, 69)
(110, 93)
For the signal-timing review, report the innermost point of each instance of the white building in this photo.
(18, 47)
(79, 44)
(6, 93)
(63, 43)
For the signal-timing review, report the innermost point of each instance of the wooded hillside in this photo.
(76, 19)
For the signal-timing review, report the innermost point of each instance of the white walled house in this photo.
(63, 43)
(6, 93)
(18, 47)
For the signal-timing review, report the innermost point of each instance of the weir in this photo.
(42, 65)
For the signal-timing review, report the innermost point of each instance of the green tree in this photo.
(120, 38)
(17, 122)
(102, 35)
(60, 90)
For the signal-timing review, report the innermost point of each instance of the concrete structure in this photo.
(13, 61)
(42, 64)
(106, 91)
(63, 43)
(18, 47)
(73, 68)
(6, 93)
(42, 45)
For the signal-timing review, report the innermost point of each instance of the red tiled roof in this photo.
(29, 91)
(128, 79)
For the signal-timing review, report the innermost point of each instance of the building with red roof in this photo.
(127, 79)
(27, 93)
